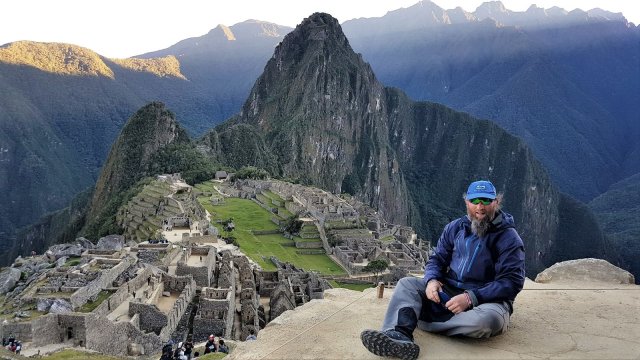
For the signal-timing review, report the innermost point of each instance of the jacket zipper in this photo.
(475, 252)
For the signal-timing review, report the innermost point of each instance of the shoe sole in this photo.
(382, 345)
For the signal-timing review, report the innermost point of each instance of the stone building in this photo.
(215, 315)
(200, 263)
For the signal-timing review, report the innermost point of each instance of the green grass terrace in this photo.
(248, 217)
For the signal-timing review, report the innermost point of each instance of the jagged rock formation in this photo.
(320, 110)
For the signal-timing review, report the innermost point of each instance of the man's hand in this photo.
(433, 286)
(458, 303)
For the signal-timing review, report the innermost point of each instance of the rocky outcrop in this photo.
(111, 242)
(585, 270)
(56, 252)
(320, 110)
(8, 279)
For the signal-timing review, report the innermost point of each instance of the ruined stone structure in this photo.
(250, 311)
(289, 287)
(199, 262)
(215, 313)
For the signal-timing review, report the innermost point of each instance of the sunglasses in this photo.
(482, 201)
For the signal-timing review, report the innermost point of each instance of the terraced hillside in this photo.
(142, 217)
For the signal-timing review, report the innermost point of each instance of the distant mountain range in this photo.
(566, 83)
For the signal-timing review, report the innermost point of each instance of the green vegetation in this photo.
(376, 266)
(249, 216)
(167, 66)
(73, 261)
(356, 287)
(55, 58)
(251, 172)
(185, 159)
(212, 356)
(106, 223)
(71, 354)
(206, 186)
(89, 306)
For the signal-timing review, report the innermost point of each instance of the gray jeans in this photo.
(482, 321)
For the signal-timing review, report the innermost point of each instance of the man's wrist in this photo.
(469, 302)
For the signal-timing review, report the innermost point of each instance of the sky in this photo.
(124, 28)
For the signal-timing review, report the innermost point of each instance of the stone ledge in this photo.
(549, 321)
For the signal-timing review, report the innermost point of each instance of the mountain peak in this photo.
(491, 7)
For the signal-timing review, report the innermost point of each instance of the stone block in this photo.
(587, 270)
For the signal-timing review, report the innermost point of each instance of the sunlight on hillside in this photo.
(167, 66)
(55, 58)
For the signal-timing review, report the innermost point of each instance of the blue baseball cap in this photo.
(481, 189)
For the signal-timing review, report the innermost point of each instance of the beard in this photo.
(480, 227)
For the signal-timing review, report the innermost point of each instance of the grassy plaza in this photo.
(249, 217)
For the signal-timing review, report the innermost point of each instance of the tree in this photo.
(376, 266)
(228, 226)
(251, 172)
(293, 224)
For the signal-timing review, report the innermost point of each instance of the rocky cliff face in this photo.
(319, 109)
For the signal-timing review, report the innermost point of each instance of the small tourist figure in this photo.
(210, 345)
(252, 335)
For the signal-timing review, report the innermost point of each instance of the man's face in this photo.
(480, 211)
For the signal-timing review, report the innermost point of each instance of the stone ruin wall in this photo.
(187, 288)
(201, 239)
(201, 274)
(150, 318)
(46, 327)
(281, 300)
(54, 329)
(106, 278)
(112, 338)
(21, 331)
(215, 313)
(267, 281)
(124, 292)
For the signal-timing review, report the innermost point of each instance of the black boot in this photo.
(397, 342)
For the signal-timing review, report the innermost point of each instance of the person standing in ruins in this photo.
(469, 284)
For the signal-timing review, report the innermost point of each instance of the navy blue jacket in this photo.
(489, 268)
